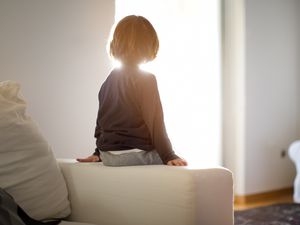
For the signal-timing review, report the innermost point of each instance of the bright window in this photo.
(188, 72)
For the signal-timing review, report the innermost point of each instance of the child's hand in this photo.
(177, 162)
(92, 158)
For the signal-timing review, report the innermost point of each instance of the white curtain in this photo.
(188, 72)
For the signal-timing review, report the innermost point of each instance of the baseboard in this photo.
(244, 199)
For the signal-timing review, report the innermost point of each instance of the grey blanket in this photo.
(12, 214)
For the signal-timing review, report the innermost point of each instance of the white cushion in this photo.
(28, 169)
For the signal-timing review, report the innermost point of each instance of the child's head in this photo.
(134, 41)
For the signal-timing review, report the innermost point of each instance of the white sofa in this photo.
(148, 195)
(137, 195)
(294, 153)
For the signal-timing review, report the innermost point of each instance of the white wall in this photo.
(272, 92)
(56, 50)
(262, 99)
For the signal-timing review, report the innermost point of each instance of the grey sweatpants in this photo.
(131, 159)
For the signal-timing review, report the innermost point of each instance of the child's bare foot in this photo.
(177, 162)
(92, 158)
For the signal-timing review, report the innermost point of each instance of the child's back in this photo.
(130, 114)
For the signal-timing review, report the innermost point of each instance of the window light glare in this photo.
(117, 64)
(187, 68)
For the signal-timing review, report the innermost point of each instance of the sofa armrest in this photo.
(148, 195)
(294, 153)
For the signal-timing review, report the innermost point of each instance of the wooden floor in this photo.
(283, 198)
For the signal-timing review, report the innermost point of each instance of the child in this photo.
(130, 127)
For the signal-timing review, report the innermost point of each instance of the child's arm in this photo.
(92, 158)
(95, 157)
(177, 162)
(153, 116)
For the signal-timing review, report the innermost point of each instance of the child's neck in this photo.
(129, 65)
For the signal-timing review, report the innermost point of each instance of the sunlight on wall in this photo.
(188, 72)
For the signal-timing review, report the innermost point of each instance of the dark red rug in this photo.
(279, 214)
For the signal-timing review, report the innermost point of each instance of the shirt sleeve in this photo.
(97, 135)
(152, 113)
(96, 152)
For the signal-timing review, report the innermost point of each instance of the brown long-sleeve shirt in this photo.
(130, 114)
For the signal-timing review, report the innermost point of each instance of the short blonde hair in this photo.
(134, 41)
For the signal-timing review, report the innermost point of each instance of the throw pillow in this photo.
(28, 169)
